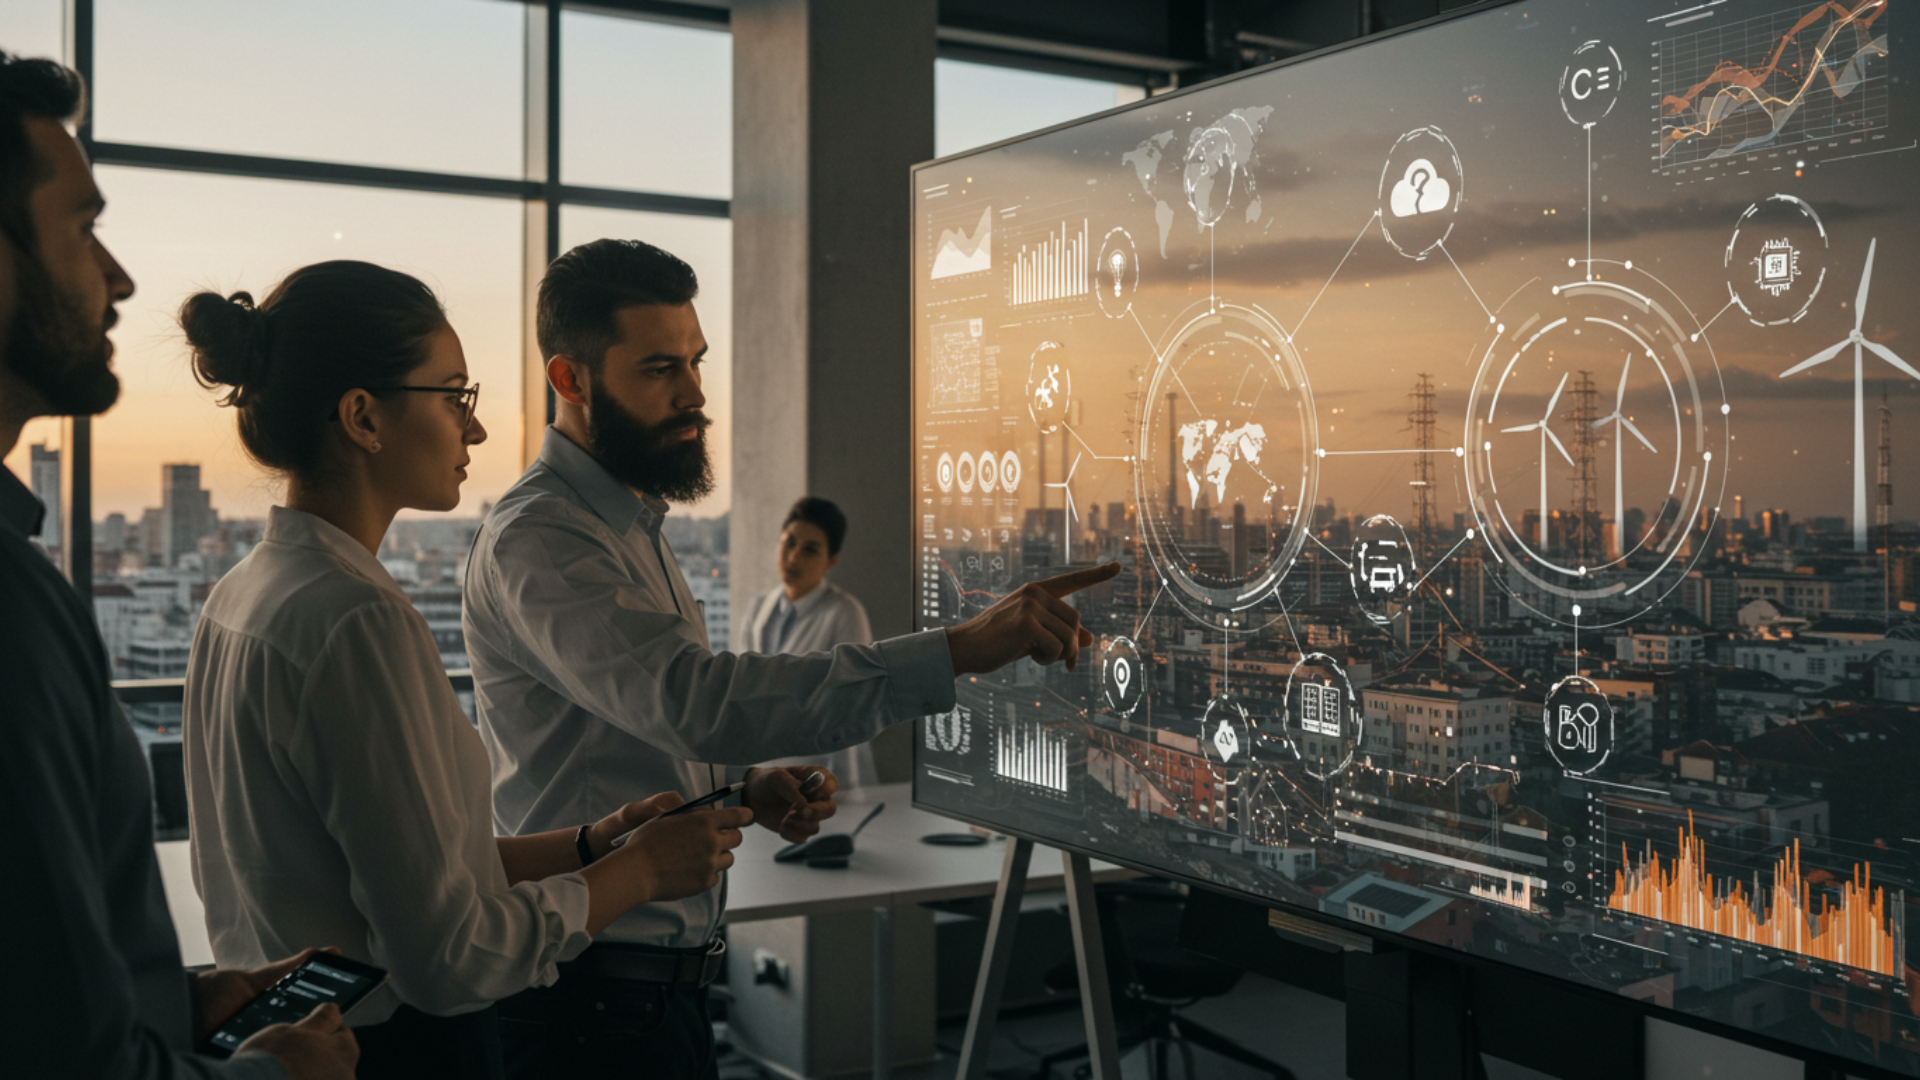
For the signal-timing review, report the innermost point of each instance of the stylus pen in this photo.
(720, 794)
(708, 799)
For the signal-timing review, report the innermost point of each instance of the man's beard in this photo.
(55, 349)
(651, 457)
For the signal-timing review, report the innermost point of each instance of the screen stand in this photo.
(1096, 1005)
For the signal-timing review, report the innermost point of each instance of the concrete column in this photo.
(832, 103)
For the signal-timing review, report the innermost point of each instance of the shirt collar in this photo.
(804, 604)
(298, 528)
(19, 510)
(614, 502)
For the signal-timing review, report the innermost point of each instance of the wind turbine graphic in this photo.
(1545, 434)
(1619, 420)
(1861, 345)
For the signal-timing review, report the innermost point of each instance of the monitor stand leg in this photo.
(1089, 956)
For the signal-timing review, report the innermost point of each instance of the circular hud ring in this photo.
(1604, 371)
(1227, 468)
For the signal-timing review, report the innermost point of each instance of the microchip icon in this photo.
(1778, 266)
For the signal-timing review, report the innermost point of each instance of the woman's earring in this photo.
(376, 446)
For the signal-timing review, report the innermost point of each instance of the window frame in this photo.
(542, 191)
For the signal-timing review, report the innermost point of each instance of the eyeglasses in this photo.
(467, 396)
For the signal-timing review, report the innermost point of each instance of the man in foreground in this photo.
(99, 992)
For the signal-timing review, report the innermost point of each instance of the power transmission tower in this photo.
(1421, 419)
(1583, 533)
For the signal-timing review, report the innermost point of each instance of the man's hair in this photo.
(822, 515)
(41, 89)
(585, 289)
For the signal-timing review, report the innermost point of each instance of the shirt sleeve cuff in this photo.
(919, 673)
(562, 903)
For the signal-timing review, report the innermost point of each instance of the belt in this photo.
(641, 963)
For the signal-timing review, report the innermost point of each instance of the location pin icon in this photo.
(1122, 674)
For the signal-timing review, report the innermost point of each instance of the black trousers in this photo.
(413, 1044)
(588, 1027)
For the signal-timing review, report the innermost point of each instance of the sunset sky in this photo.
(430, 84)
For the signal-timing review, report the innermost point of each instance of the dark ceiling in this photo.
(1156, 42)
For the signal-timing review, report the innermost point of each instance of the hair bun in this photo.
(228, 337)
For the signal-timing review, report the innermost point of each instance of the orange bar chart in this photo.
(1863, 928)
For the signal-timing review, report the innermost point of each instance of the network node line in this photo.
(1155, 602)
(1442, 560)
(1716, 317)
(1089, 449)
(1329, 551)
(1375, 216)
(1442, 245)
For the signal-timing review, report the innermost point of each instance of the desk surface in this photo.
(890, 867)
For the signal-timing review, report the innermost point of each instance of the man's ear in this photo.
(569, 379)
(833, 561)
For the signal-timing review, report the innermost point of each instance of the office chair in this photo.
(1151, 980)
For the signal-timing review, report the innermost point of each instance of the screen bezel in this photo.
(1837, 1065)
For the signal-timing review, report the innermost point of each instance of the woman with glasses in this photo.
(339, 795)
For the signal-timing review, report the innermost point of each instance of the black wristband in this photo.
(585, 849)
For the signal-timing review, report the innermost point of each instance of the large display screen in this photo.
(1509, 432)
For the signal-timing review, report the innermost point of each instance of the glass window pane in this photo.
(33, 28)
(977, 104)
(169, 461)
(38, 461)
(426, 84)
(646, 106)
(698, 531)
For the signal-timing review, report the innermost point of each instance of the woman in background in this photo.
(338, 792)
(807, 614)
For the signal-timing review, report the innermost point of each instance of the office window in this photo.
(977, 104)
(425, 84)
(180, 232)
(33, 27)
(646, 106)
(39, 461)
(176, 501)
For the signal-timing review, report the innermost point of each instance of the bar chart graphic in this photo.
(1052, 266)
(1030, 753)
(1863, 927)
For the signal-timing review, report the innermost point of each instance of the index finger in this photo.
(1070, 583)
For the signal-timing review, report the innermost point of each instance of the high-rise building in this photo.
(112, 534)
(186, 512)
(44, 476)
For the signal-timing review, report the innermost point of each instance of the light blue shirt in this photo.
(596, 686)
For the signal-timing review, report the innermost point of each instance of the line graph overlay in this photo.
(1796, 77)
(1787, 906)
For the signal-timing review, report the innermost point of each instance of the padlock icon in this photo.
(1421, 191)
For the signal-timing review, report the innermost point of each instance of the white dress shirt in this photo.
(826, 616)
(596, 685)
(340, 796)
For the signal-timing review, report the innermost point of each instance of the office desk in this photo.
(891, 868)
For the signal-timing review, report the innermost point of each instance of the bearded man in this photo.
(594, 678)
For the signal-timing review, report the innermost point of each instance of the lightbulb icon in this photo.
(1118, 262)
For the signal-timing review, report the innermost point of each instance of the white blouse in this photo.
(340, 796)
